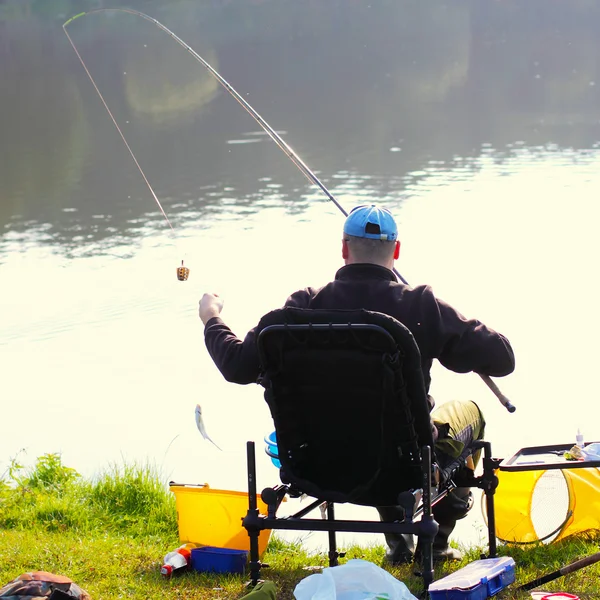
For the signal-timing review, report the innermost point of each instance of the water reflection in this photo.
(384, 90)
(41, 158)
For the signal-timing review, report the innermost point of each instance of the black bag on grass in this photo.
(40, 585)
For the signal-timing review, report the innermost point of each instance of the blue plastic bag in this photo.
(355, 580)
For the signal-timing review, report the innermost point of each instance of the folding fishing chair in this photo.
(346, 393)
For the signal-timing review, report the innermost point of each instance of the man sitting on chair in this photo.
(367, 281)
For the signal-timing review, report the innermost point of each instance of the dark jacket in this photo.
(441, 332)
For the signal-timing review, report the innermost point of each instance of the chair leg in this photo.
(333, 553)
(252, 515)
(428, 526)
(489, 484)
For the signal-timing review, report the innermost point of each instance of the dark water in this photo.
(476, 122)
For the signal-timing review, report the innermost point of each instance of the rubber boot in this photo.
(442, 551)
(401, 546)
(447, 512)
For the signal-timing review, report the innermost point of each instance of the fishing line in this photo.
(306, 171)
(182, 272)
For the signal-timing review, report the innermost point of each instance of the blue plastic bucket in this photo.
(218, 560)
(271, 449)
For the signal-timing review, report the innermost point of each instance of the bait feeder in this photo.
(182, 272)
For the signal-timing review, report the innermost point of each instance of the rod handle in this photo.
(510, 407)
(578, 564)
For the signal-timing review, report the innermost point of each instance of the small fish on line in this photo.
(201, 427)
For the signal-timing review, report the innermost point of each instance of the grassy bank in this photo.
(110, 534)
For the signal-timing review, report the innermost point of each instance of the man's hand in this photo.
(210, 306)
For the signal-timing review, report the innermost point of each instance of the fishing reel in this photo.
(182, 272)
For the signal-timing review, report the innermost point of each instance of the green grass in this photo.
(110, 534)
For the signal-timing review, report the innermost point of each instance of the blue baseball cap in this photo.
(371, 221)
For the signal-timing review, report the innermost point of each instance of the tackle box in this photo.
(479, 580)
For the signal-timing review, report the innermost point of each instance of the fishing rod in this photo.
(267, 128)
(574, 566)
(306, 171)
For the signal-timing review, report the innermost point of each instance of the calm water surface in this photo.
(476, 122)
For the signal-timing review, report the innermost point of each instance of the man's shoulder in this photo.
(416, 291)
(301, 298)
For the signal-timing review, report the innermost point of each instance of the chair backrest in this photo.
(346, 393)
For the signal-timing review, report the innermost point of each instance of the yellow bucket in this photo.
(209, 517)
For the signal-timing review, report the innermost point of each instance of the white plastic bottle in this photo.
(176, 561)
(579, 439)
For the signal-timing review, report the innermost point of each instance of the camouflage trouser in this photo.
(459, 422)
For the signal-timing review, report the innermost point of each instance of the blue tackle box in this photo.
(479, 580)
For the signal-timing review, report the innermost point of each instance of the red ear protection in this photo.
(397, 251)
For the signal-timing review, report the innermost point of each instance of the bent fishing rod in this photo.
(287, 150)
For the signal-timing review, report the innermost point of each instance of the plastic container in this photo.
(560, 596)
(219, 560)
(479, 580)
(208, 517)
(271, 449)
